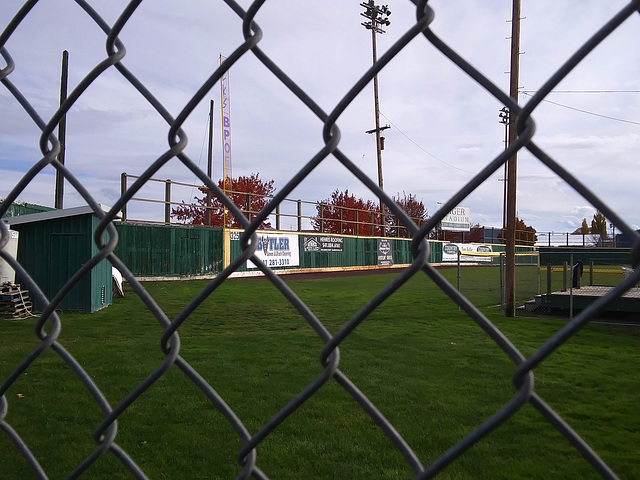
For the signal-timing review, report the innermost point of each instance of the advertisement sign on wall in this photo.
(277, 250)
(457, 220)
(450, 252)
(385, 252)
(319, 243)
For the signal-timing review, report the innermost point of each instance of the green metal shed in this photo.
(52, 246)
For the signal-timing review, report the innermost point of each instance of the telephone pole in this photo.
(377, 16)
(62, 132)
(510, 272)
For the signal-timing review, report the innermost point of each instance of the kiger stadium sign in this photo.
(277, 250)
(457, 220)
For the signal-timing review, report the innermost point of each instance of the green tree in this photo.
(585, 227)
(599, 225)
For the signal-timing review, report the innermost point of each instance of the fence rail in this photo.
(303, 214)
(49, 326)
(298, 215)
(568, 239)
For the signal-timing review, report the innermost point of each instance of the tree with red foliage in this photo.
(475, 234)
(525, 235)
(413, 208)
(249, 193)
(343, 213)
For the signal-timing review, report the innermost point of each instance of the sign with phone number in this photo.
(277, 250)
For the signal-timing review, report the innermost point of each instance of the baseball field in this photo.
(430, 370)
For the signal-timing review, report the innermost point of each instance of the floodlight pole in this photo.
(510, 271)
(376, 17)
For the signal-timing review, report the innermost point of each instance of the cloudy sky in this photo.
(444, 127)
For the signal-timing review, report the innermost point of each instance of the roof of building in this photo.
(53, 214)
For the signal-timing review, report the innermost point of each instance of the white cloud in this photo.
(445, 127)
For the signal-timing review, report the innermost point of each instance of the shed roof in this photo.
(53, 214)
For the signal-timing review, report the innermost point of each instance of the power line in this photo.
(586, 111)
(352, 177)
(526, 92)
(423, 149)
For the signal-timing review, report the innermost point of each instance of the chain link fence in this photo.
(574, 285)
(49, 325)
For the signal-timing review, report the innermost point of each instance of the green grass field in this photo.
(481, 284)
(428, 368)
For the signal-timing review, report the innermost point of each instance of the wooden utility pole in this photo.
(377, 16)
(62, 131)
(376, 107)
(510, 271)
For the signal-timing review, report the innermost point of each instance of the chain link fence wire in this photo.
(48, 327)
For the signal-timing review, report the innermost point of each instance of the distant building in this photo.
(492, 235)
(623, 241)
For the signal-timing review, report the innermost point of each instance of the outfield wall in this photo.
(599, 255)
(345, 252)
(23, 208)
(169, 251)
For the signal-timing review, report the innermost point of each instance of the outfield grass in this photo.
(481, 284)
(428, 368)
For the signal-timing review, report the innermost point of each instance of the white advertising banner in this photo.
(457, 220)
(277, 250)
(450, 252)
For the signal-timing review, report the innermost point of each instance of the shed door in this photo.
(67, 255)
